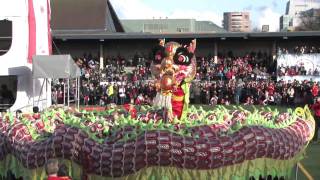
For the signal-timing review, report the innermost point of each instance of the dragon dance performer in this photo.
(54, 171)
(174, 67)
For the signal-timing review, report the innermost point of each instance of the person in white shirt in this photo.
(290, 95)
(122, 94)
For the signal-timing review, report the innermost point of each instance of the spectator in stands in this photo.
(277, 98)
(316, 72)
(18, 114)
(122, 94)
(316, 108)
(269, 99)
(86, 93)
(249, 101)
(238, 91)
(60, 95)
(54, 96)
(291, 95)
(315, 90)
(214, 99)
(197, 92)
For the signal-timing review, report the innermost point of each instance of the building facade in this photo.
(94, 15)
(169, 25)
(294, 8)
(237, 21)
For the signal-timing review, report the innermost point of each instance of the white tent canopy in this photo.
(57, 67)
(54, 66)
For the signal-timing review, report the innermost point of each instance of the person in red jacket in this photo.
(316, 108)
(315, 90)
(271, 89)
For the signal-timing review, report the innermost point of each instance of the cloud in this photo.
(262, 8)
(136, 9)
(200, 16)
(269, 17)
(248, 8)
(274, 3)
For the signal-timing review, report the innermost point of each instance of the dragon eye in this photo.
(182, 56)
(183, 59)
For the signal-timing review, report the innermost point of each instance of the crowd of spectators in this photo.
(115, 69)
(297, 70)
(96, 81)
(228, 79)
(254, 92)
(227, 66)
(304, 49)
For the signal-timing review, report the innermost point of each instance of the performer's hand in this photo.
(192, 46)
(162, 42)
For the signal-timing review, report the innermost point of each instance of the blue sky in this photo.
(216, 5)
(262, 11)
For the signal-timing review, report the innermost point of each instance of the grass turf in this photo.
(311, 162)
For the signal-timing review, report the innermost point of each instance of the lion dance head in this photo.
(174, 67)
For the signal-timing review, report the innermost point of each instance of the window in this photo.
(155, 27)
(5, 36)
(236, 30)
(8, 91)
(182, 29)
(235, 23)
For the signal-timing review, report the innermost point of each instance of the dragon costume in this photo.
(129, 143)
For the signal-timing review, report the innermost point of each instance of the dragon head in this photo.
(173, 64)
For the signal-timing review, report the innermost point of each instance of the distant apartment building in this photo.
(294, 8)
(169, 25)
(237, 21)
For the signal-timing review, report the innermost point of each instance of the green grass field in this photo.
(249, 108)
(311, 162)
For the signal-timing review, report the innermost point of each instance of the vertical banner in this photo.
(42, 36)
(32, 31)
(39, 28)
(49, 27)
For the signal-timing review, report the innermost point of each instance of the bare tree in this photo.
(256, 29)
(309, 20)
